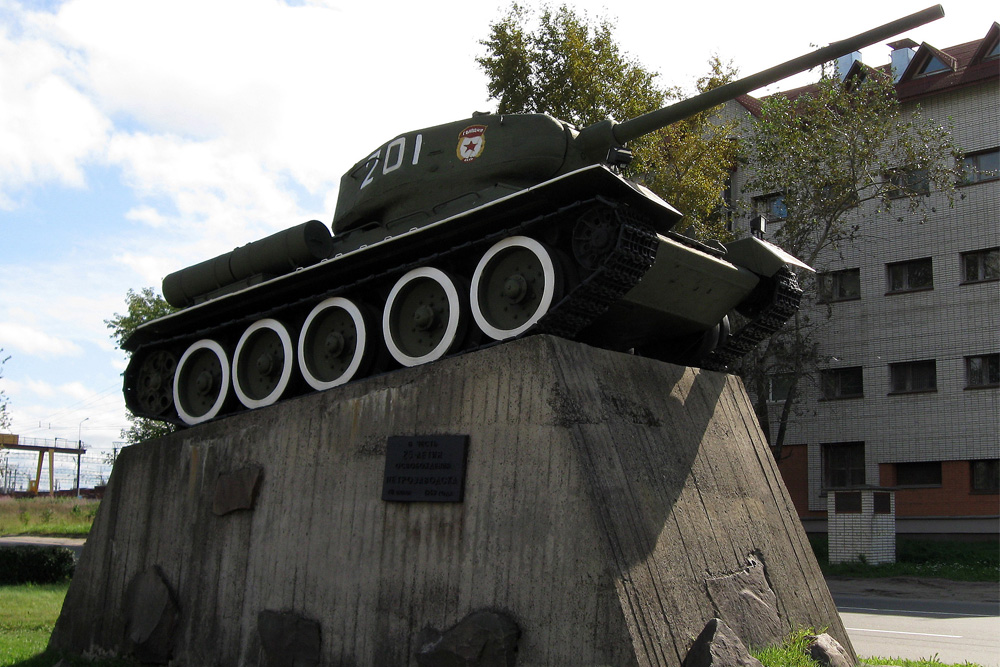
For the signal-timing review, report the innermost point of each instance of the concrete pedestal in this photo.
(613, 506)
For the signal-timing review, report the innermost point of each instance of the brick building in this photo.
(908, 396)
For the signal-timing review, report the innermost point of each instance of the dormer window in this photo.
(994, 52)
(933, 66)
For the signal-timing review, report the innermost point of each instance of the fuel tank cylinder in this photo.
(290, 249)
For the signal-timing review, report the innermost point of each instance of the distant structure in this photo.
(910, 398)
(42, 447)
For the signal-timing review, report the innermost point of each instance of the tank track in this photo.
(784, 296)
(620, 269)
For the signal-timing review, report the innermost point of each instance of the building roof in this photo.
(963, 65)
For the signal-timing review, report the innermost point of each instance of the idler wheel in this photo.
(513, 286)
(154, 384)
(201, 383)
(262, 363)
(422, 317)
(333, 344)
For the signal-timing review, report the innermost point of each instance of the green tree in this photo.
(142, 306)
(689, 163)
(841, 155)
(4, 415)
(566, 65)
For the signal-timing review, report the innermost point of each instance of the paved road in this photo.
(954, 630)
(74, 543)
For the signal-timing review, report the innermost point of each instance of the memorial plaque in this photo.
(425, 468)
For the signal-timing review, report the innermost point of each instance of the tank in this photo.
(466, 234)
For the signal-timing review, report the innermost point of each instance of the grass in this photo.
(793, 653)
(926, 662)
(958, 561)
(27, 615)
(63, 517)
(790, 654)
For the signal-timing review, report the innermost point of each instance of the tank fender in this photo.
(761, 257)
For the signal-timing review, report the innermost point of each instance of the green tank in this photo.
(467, 234)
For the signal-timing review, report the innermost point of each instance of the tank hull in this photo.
(607, 271)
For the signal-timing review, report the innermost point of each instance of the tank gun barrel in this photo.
(654, 120)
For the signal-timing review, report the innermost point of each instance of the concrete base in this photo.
(613, 506)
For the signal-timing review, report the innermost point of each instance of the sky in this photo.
(138, 137)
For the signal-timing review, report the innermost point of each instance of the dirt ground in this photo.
(917, 588)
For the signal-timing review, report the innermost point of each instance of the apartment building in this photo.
(908, 393)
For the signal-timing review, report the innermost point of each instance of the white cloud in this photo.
(48, 129)
(147, 215)
(35, 341)
(75, 391)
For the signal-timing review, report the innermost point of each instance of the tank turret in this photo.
(416, 178)
(464, 234)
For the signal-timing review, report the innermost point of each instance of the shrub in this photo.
(35, 565)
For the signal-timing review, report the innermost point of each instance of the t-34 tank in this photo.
(460, 235)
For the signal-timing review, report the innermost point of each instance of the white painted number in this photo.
(373, 160)
(394, 152)
(400, 145)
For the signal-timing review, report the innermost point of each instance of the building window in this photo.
(847, 502)
(843, 465)
(778, 387)
(980, 167)
(882, 502)
(913, 376)
(842, 383)
(933, 66)
(840, 285)
(916, 274)
(982, 371)
(907, 182)
(985, 475)
(771, 206)
(921, 473)
(981, 265)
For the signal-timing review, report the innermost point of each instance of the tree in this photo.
(143, 306)
(570, 67)
(6, 471)
(689, 163)
(839, 155)
(4, 415)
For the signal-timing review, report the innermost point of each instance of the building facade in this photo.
(908, 392)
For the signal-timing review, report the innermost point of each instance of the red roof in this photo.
(968, 65)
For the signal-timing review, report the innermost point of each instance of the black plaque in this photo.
(425, 468)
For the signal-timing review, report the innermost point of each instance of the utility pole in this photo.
(79, 451)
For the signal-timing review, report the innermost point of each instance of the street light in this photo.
(79, 446)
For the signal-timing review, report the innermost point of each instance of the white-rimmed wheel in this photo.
(262, 363)
(422, 316)
(514, 285)
(201, 382)
(332, 344)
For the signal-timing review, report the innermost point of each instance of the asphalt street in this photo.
(952, 630)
